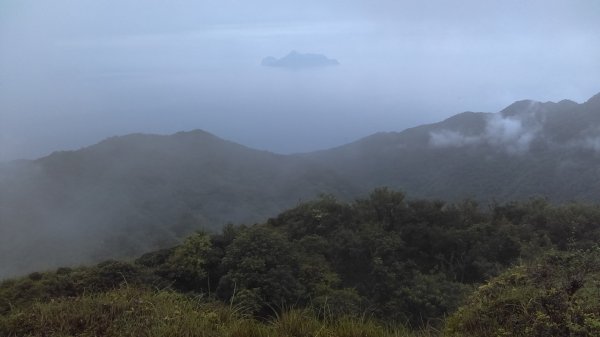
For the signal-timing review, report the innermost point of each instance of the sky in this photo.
(73, 72)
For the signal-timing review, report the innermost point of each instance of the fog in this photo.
(514, 134)
(73, 72)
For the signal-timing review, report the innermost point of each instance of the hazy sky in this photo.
(73, 72)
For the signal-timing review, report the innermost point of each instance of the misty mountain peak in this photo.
(296, 60)
(519, 108)
(594, 100)
(567, 102)
(195, 134)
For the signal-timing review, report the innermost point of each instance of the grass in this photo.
(131, 311)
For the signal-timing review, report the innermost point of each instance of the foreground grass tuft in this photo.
(131, 311)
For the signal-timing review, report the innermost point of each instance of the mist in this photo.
(513, 134)
(75, 72)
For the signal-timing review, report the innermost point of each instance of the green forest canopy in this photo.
(404, 262)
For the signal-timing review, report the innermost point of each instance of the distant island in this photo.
(296, 60)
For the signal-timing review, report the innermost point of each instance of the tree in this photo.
(187, 265)
(261, 270)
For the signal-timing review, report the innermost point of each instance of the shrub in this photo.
(558, 295)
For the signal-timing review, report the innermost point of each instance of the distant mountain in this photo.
(130, 194)
(296, 60)
(528, 149)
(134, 193)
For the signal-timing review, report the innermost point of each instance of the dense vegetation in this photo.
(558, 295)
(128, 195)
(132, 194)
(133, 312)
(403, 262)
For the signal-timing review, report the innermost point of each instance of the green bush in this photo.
(133, 312)
(558, 295)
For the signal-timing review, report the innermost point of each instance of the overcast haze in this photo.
(75, 72)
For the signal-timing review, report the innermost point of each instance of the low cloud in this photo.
(588, 139)
(510, 133)
(591, 143)
(588, 142)
(448, 138)
(296, 60)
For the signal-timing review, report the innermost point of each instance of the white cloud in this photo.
(510, 133)
(447, 138)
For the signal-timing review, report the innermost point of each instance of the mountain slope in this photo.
(134, 193)
(528, 149)
(129, 194)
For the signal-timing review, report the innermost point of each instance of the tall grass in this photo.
(130, 311)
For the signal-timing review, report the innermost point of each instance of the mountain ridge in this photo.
(129, 194)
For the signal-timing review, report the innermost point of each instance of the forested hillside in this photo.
(527, 149)
(130, 194)
(396, 261)
(303, 168)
